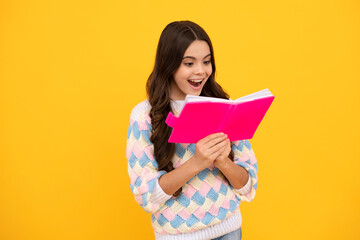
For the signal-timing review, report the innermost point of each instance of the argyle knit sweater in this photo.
(208, 201)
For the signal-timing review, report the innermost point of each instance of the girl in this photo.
(192, 190)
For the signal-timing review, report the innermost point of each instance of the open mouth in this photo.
(195, 83)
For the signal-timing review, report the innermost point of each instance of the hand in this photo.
(223, 157)
(208, 149)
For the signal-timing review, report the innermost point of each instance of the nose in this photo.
(200, 70)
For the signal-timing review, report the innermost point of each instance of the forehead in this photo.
(197, 48)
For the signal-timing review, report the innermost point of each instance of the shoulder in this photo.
(141, 111)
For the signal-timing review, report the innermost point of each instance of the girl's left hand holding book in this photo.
(236, 175)
(223, 157)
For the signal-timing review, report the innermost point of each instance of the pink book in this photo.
(202, 116)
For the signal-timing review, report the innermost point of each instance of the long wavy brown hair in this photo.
(174, 40)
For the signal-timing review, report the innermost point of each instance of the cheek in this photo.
(181, 74)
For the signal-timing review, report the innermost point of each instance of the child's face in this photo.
(193, 72)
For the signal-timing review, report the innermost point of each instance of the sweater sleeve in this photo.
(244, 156)
(142, 166)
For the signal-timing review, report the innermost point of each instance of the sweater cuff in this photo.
(245, 189)
(158, 195)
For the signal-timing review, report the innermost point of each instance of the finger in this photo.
(226, 143)
(224, 151)
(215, 141)
(211, 137)
(218, 153)
(218, 147)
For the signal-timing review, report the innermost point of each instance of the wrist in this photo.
(224, 164)
(193, 165)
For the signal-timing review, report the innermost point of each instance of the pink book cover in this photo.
(202, 116)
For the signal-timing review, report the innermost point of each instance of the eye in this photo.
(188, 64)
(207, 62)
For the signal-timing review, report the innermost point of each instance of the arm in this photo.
(235, 174)
(242, 172)
(142, 166)
(172, 181)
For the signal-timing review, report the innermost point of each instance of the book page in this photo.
(192, 98)
(253, 96)
(260, 94)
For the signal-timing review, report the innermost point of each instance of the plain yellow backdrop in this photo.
(71, 71)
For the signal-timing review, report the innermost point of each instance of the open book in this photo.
(202, 116)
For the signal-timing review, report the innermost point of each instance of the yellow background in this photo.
(71, 71)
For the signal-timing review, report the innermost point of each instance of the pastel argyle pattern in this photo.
(244, 156)
(206, 199)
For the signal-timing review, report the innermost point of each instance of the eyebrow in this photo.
(195, 58)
